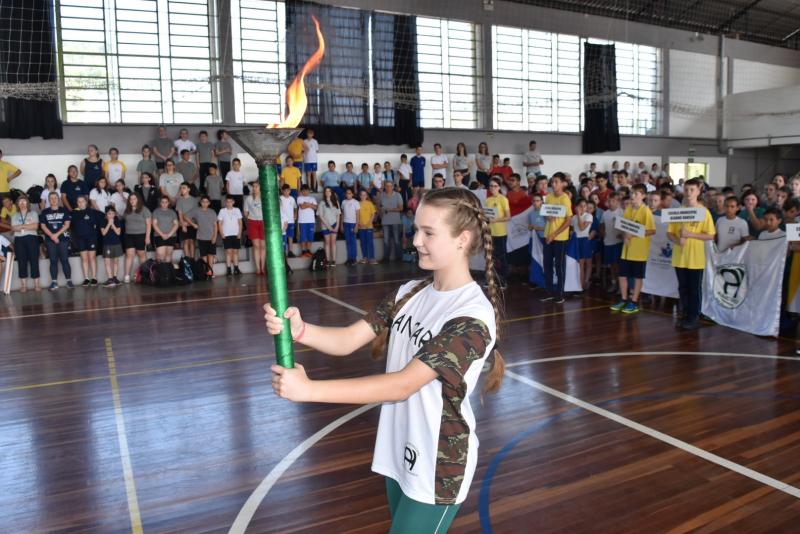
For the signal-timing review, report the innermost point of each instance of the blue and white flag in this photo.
(660, 278)
(572, 276)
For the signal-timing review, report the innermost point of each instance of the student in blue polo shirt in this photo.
(55, 222)
(418, 169)
(84, 224)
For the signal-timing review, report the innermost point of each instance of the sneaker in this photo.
(86, 282)
(291, 254)
(364, 260)
(53, 286)
(558, 300)
(94, 281)
(546, 298)
(109, 283)
(127, 279)
(690, 326)
(70, 285)
(236, 270)
(374, 262)
(332, 264)
(630, 307)
(228, 272)
(618, 306)
(116, 281)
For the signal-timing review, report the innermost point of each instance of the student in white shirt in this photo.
(184, 143)
(773, 217)
(229, 220)
(310, 157)
(99, 197)
(439, 161)
(732, 230)
(439, 333)
(582, 226)
(120, 197)
(533, 161)
(350, 207)
(288, 216)
(306, 219)
(234, 183)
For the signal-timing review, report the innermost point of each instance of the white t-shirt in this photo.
(235, 181)
(101, 198)
(378, 180)
(114, 172)
(230, 221)
(407, 445)
(405, 170)
(766, 236)
(4, 243)
(730, 232)
(120, 201)
(46, 197)
(288, 205)
(441, 158)
(312, 148)
(532, 159)
(609, 220)
(349, 208)
(306, 215)
(180, 145)
(586, 217)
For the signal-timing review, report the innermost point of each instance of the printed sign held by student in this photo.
(629, 226)
(681, 215)
(553, 210)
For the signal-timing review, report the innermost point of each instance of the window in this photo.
(448, 60)
(538, 85)
(259, 60)
(136, 61)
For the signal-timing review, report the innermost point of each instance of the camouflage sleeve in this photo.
(380, 316)
(460, 342)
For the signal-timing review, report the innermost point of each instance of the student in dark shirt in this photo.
(55, 222)
(148, 191)
(72, 188)
(111, 231)
(85, 223)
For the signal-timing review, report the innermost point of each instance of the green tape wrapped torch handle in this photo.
(276, 264)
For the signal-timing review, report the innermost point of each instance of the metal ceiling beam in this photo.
(739, 14)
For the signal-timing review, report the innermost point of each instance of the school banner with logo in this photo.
(740, 286)
(518, 234)
(572, 275)
(660, 278)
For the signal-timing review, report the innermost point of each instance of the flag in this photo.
(660, 278)
(572, 275)
(793, 288)
(740, 286)
(518, 234)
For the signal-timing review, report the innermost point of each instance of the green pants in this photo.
(413, 517)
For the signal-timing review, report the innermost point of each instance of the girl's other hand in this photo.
(291, 384)
(275, 323)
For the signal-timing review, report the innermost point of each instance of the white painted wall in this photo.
(762, 118)
(755, 76)
(692, 94)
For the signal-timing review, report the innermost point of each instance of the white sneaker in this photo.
(127, 279)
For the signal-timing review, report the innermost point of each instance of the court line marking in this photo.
(651, 353)
(125, 456)
(337, 301)
(660, 436)
(242, 520)
(188, 301)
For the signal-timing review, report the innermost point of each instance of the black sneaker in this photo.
(94, 281)
(116, 281)
(558, 300)
(236, 270)
(109, 283)
(546, 298)
(690, 326)
(86, 282)
(228, 272)
(291, 254)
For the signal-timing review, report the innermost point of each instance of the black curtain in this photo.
(338, 92)
(601, 129)
(27, 56)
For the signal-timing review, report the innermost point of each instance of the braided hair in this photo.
(466, 213)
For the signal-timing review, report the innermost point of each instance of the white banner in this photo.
(793, 232)
(678, 215)
(554, 210)
(629, 226)
(518, 234)
(660, 278)
(742, 286)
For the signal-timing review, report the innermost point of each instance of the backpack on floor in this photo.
(146, 273)
(183, 272)
(318, 261)
(201, 271)
(164, 274)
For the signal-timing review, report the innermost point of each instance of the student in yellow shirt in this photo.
(291, 175)
(635, 251)
(498, 226)
(366, 217)
(7, 173)
(689, 255)
(556, 235)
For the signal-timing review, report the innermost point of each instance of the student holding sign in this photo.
(556, 235)
(638, 226)
(498, 213)
(689, 255)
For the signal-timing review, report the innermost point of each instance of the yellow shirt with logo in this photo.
(693, 254)
(295, 149)
(500, 204)
(638, 248)
(554, 222)
(291, 176)
(6, 170)
(366, 212)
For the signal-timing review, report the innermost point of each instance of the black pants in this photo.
(483, 178)
(27, 250)
(690, 289)
(58, 252)
(555, 254)
(500, 257)
(203, 173)
(224, 167)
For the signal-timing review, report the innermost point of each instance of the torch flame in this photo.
(296, 93)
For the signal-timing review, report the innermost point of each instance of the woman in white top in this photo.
(461, 163)
(120, 197)
(255, 226)
(483, 163)
(99, 197)
(50, 186)
(439, 333)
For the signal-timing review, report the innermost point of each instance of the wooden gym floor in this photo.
(145, 410)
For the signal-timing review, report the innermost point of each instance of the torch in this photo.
(266, 145)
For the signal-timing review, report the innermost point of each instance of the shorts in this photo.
(112, 251)
(255, 230)
(136, 241)
(207, 248)
(216, 205)
(189, 234)
(308, 167)
(612, 254)
(294, 193)
(584, 248)
(231, 242)
(632, 269)
(290, 230)
(160, 165)
(325, 231)
(306, 232)
(169, 242)
(299, 165)
(86, 244)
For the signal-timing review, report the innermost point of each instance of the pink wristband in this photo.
(302, 333)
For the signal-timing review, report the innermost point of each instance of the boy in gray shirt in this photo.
(205, 156)
(214, 188)
(188, 170)
(204, 220)
(163, 148)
